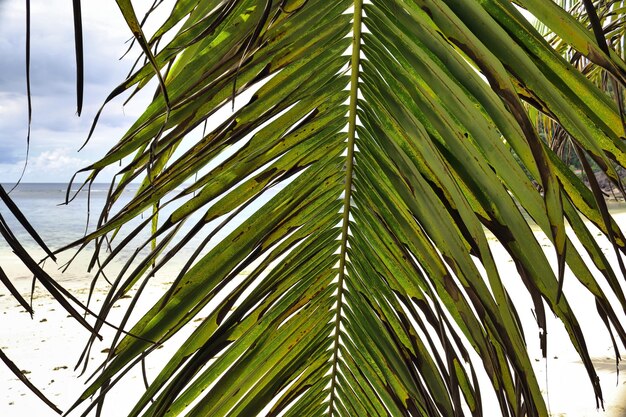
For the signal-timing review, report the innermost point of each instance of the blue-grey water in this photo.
(59, 224)
(44, 206)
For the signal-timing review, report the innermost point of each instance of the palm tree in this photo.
(381, 142)
(609, 25)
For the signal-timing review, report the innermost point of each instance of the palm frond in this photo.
(383, 140)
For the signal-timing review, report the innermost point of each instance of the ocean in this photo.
(59, 224)
(44, 206)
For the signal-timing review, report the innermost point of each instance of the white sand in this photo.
(48, 347)
(561, 375)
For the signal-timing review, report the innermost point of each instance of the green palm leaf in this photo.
(383, 140)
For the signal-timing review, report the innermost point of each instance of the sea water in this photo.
(44, 206)
(60, 223)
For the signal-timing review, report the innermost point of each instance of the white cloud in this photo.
(55, 165)
(55, 160)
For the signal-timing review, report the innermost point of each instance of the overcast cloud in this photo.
(57, 133)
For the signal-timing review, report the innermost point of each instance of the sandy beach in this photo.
(48, 346)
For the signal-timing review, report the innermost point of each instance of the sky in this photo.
(57, 132)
